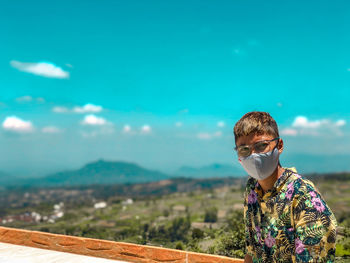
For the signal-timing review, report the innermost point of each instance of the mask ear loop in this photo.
(279, 164)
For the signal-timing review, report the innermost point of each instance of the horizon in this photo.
(162, 84)
(238, 171)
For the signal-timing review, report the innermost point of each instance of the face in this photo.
(253, 138)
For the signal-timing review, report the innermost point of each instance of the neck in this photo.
(269, 182)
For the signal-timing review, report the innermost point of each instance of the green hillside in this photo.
(100, 172)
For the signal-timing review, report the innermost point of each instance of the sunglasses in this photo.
(260, 146)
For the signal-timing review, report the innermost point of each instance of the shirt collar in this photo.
(276, 187)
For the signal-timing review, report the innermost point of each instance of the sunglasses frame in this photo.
(253, 146)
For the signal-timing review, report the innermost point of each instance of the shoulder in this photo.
(303, 194)
(300, 185)
(308, 201)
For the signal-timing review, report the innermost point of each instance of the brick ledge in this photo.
(106, 249)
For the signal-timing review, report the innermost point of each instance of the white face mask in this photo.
(260, 165)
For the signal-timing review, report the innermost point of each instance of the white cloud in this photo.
(303, 126)
(208, 136)
(303, 122)
(94, 120)
(24, 99)
(289, 132)
(87, 108)
(50, 129)
(340, 123)
(59, 109)
(96, 126)
(178, 124)
(221, 124)
(204, 136)
(127, 128)
(44, 69)
(29, 99)
(145, 129)
(15, 124)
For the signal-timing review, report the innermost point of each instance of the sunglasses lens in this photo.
(243, 151)
(260, 147)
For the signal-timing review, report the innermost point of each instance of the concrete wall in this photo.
(105, 249)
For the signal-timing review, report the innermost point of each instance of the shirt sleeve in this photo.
(314, 226)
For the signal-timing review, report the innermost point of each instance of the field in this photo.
(205, 219)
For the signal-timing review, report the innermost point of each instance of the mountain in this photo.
(100, 172)
(316, 163)
(210, 171)
(7, 179)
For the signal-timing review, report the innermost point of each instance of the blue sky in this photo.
(162, 83)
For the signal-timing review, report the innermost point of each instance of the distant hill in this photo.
(7, 179)
(211, 171)
(340, 176)
(3, 176)
(100, 172)
(313, 163)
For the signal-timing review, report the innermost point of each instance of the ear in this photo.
(280, 146)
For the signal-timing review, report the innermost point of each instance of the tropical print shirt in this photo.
(289, 223)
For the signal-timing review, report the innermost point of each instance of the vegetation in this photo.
(211, 215)
(195, 215)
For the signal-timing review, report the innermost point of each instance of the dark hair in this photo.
(257, 122)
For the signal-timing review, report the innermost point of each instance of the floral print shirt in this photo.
(289, 223)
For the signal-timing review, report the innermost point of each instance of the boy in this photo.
(286, 218)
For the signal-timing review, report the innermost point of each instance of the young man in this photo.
(286, 218)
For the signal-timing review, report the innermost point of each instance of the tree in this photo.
(197, 233)
(179, 245)
(232, 242)
(179, 228)
(211, 215)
